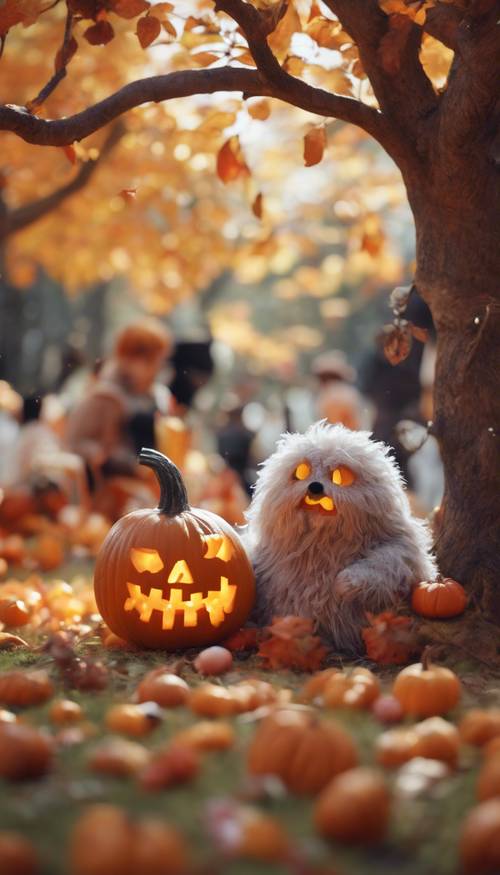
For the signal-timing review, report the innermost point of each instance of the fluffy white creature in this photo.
(330, 532)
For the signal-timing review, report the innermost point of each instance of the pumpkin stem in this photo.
(173, 495)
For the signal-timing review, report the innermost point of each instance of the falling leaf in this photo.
(70, 153)
(257, 206)
(393, 43)
(129, 8)
(230, 162)
(397, 341)
(148, 28)
(260, 109)
(99, 34)
(128, 195)
(389, 638)
(314, 146)
(291, 644)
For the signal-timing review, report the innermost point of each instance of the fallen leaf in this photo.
(389, 638)
(148, 28)
(291, 644)
(314, 146)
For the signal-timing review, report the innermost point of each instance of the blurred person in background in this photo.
(116, 416)
(35, 440)
(338, 400)
(234, 441)
(10, 407)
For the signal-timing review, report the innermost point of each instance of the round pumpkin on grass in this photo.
(302, 750)
(439, 599)
(426, 690)
(174, 576)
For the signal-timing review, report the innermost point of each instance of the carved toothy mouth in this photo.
(217, 603)
(325, 504)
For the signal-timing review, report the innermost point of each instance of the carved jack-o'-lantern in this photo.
(175, 576)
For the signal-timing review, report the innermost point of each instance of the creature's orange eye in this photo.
(146, 560)
(343, 476)
(302, 471)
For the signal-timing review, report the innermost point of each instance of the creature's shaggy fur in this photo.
(334, 568)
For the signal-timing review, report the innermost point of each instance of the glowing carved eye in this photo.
(343, 476)
(218, 547)
(180, 573)
(146, 560)
(302, 471)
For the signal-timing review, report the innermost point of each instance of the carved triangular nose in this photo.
(316, 488)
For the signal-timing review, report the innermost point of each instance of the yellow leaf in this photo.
(314, 146)
(279, 40)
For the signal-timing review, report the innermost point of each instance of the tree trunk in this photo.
(458, 270)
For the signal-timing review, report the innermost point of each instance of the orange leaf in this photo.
(389, 639)
(128, 195)
(70, 153)
(314, 146)
(291, 644)
(148, 29)
(129, 8)
(99, 34)
(230, 162)
(245, 639)
(260, 110)
(257, 206)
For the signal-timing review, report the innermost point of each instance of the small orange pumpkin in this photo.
(354, 808)
(426, 690)
(479, 845)
(173, 577)
(439, 598)
(302, 750)
(479, 726)
(356, 689)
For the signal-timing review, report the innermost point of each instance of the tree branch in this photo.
(22, 217)
(255, 28)
(442, 22)
(63, 132)
(404, 92)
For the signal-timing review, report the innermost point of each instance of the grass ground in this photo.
(423, 835)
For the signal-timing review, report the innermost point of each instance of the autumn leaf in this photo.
(23, 12)
(393, 43)
(148, 28)
(70, 153)
(245, 639)
(419, 333)
(128, 195)
(257, 206)
(99, 34)
(397, 341)
(230, 162)
(389, 639)
(291, 644)
(280, 39)
(314, 146)
(260, 109)
(129, 8)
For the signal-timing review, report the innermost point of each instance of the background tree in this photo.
(443, 136)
